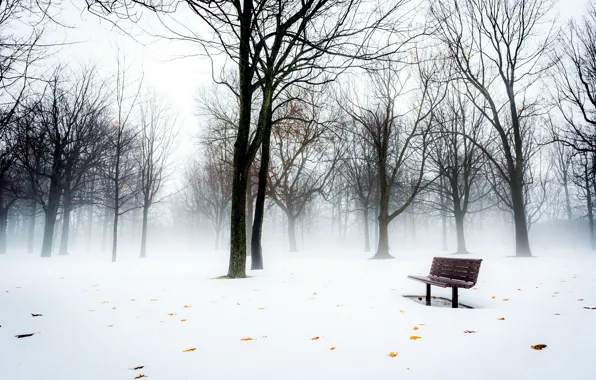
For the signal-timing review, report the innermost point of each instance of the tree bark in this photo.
(3, 227)
(50, 218)
(31, 226)
(459, 227)
(590, 207)
(66, 209)
(383, 245)
(144, 229)
(292, 233)
(366, 232)
(522, 242)
(249, 214)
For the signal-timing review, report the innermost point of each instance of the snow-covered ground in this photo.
(100, 319)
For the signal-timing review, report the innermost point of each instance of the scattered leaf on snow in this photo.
(187, 306)
(421, 324)
(137, 368)
(518, 289)
(132, 300)
(469, 331)
(110, 325)
(401, 311)
(556, 314)
(36, 315)
(415, 337)
(261, 308)
(189, 350)
(493, 297)
(237, 304)
(140, 376)
(415, 328)
(316, 338)
(501, 319)
(538, 347)
(171, 314)
(580, 299)
(62, 278)
(474, 288)
(153, 299)
(162, 320)
(264, 336)
(315, 293)
(556, 293)
(91, 310)
(24, 335)
(245, 339)
(407, 368)
(505, 299)
(183, 320)
(589, 308)
(332, 349)
(392, 354)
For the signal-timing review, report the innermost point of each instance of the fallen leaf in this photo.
(538, 347)
(36, 315)
(401, 311)
(114, 308)
(91, 310)
(140, 376)
(237, 304)
(94, 286)
(505, 299)
(407, 368)
(415, 337)
(518, 289)
(104, 301)
(264, 336)
(132, 300)
(469, 331)
(474, 288)
(501, 319)
(419, 298)
(187, 306)
(392, 354)
(339, 305)
(332, 349)
(162, 320)
(589, 308)
(171, 314)
(580, 299)
(189, 350)
(415, 328)
(315, 338)
(493, 297)
(315, 293)
(261, 308)
(137, 368)
(62, 278)
(183, 320)
(110, 325)
(24, 335)
(245, 339)
(421, 324)
(556, 293)
(153, 299)
(556, 314)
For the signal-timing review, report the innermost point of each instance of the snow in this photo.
(350, 303)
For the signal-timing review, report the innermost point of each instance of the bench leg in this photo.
(454, 298)
(427, 294)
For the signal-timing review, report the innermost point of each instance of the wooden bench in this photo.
(451, 273)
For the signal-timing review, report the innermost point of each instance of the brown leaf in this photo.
(419, 298)
(189, 350)
(171, 314)
(501, 319)
(24, 335)
(183, 320)
(505, 299)
(36, 315)
(474, 288)
(132, 300)
(137, 368)
(140, 376)
(469, 331)
(332, 349)
(538, 347)
(493, 297)
(245, 339)
(316, 338)
(392, 354)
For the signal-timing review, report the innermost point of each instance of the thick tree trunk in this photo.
(144, 229)
(31, 225)
(3, 227)
(249, 214)
(459, 227)
(67, 209)
(50, 218)
(292, 233)
(366, 232)
(383, 244)
(522, 242)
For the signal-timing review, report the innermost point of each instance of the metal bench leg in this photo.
(454, 298)
(427, 294)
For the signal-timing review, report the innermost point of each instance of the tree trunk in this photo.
(249, 214)
(66, 208)
(383, 245)
(366, 232)
(522, 242)
(104, 233)
(459, 227)
(590, 207)
(3, 227)
(50, 218)
(444, 230)
(144, 229)
(567, 198)
(31, 226)
(292, 233)
(217, 236)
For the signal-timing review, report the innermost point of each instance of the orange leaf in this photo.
(332, 349)
(315, 338)
(415, 337)
(505, 299)
(538, 347)
(474, 288)
(261, 308)
(518, 289)
(501, 319)
(493, 297)
(171, 314)
(415, 328)
(245, 339)
(189, 350)
(392, 354)
(183, 320)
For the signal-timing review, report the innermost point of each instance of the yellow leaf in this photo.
(153, 299)
(401, 311)
(501, 319)
(261, 308)
(245, 339)
(415, 328)
(415, 337)
(189, 350)
(187, 306)
(538, 347)
(493, 297)
(392, 354)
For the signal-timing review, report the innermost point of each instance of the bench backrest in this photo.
(456, 269)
